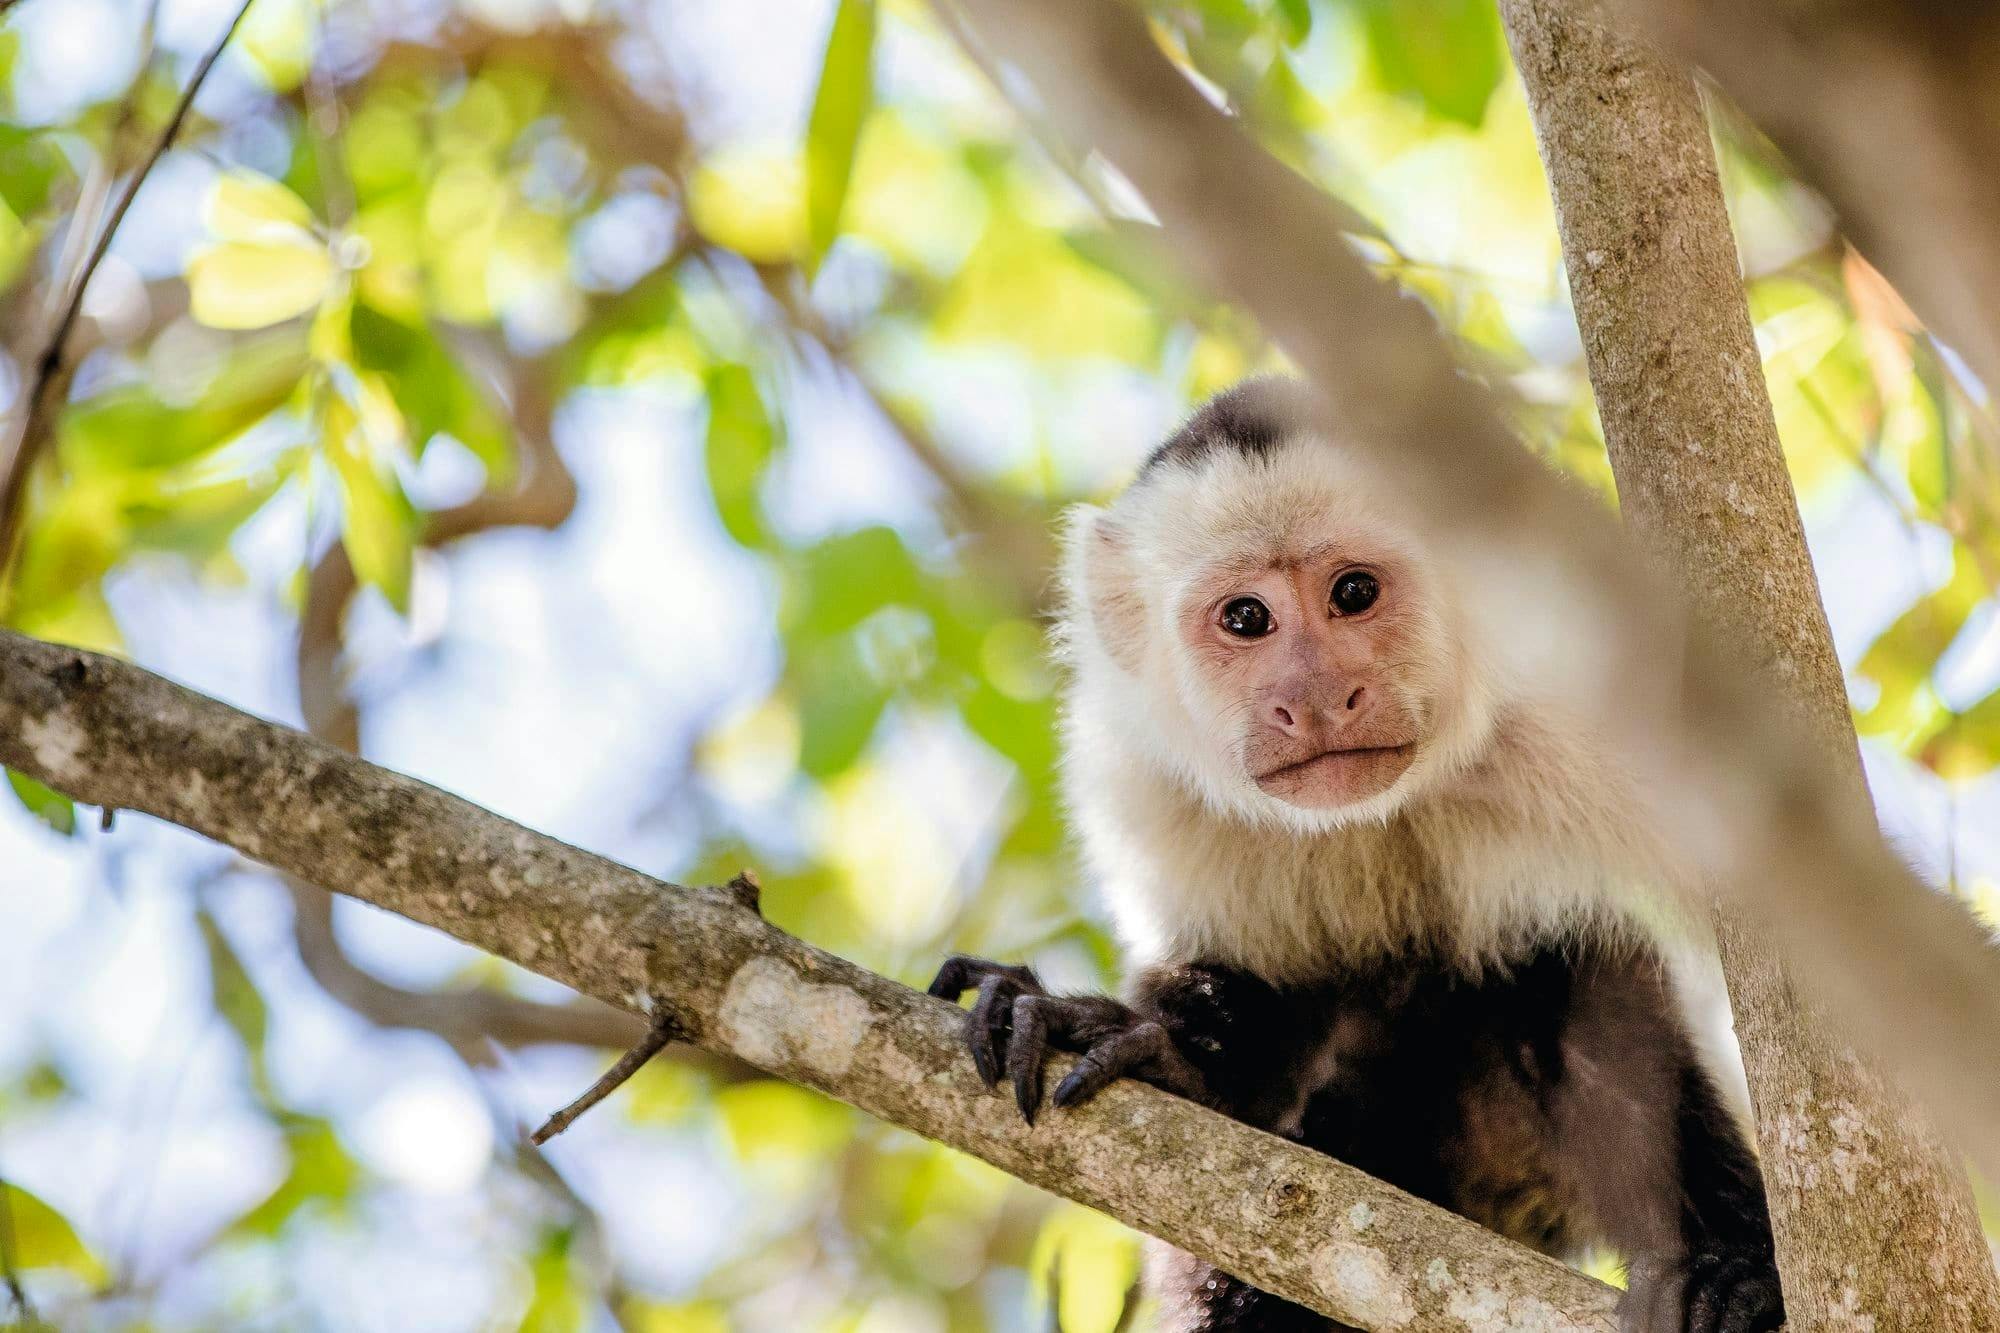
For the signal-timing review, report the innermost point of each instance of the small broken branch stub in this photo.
(664, 1031)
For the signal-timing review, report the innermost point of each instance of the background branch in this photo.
(1702, 479)
(1285, 1217)
(1893, 111)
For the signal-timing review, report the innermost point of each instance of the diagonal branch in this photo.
(53, 369)
(1286, 1218)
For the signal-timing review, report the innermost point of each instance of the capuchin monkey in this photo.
(1378, 897)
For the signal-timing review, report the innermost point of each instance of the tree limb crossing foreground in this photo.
(1282, 1216)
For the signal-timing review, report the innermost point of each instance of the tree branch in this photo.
(53, 369)
(1730, 780)
(1694, 445)
(1290, 1220)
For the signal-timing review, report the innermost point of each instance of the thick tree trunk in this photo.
(1287, 1218)
(1873, 1216)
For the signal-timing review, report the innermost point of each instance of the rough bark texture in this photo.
(1282, 1216)
(1874, 1218)
(1737, 782)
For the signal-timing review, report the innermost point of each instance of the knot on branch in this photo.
(748, 892)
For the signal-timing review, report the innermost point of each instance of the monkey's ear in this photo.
(1102, 572)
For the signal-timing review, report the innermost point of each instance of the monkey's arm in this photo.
(1215, 1035)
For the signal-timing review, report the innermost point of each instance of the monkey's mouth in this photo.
(1338, 777)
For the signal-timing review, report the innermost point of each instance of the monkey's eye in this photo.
(1246, 618)
(1354, 592)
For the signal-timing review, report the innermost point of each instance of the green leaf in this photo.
(434, 392)
(51, 807)
(845, 92)
(1083, 1264)
(29, 166)
(1902, 658)
(1295, 19)
(846, 579)
(1447, 54)
(321, 1172)
(131, 428)
(556, 1304)
(1968, 745)
(378, 524)
(43, 1237)
(236, 997)
(741, 439)
(839, 705)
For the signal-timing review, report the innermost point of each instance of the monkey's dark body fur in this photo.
(1530, 1100)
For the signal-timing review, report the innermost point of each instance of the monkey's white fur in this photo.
(1513, 824)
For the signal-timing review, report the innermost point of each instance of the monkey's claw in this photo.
(1014, 1023)
(990, 1021)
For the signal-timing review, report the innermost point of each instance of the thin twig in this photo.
(663, 1032)
(36, 423)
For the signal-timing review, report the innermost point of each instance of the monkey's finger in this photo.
(1112, 1059)
(962, 972)
(1026, 1049)
(988, 1025)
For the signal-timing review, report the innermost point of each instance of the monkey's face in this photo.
(1305, 661)
(1268, 631)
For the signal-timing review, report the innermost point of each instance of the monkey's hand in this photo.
(1712, 1290)
(1014, 1022)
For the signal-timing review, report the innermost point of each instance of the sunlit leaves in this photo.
(434, 393)
(1446, 54)
(556, 1302)
(136, 427)
(1083, 1265)
(378, 524)
(277, 36)
(268, 264)
(740, 440)
(51, 807)
(751, 198)
(322, 1176)
(846, 89)
(780, 1129)
(44, 1239)
(1902, 658)
(1032, 291)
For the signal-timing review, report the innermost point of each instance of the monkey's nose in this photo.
(1354, 699)
(1283, 717)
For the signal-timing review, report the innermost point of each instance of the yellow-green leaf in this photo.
(243, 285)
(1448, 54)
(43, 1237)
(247, 205)
(738, 449)
(846, 87)
(750, 198)
(378, 525)
(51, 807)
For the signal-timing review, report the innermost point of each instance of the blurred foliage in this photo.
(425, 226)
